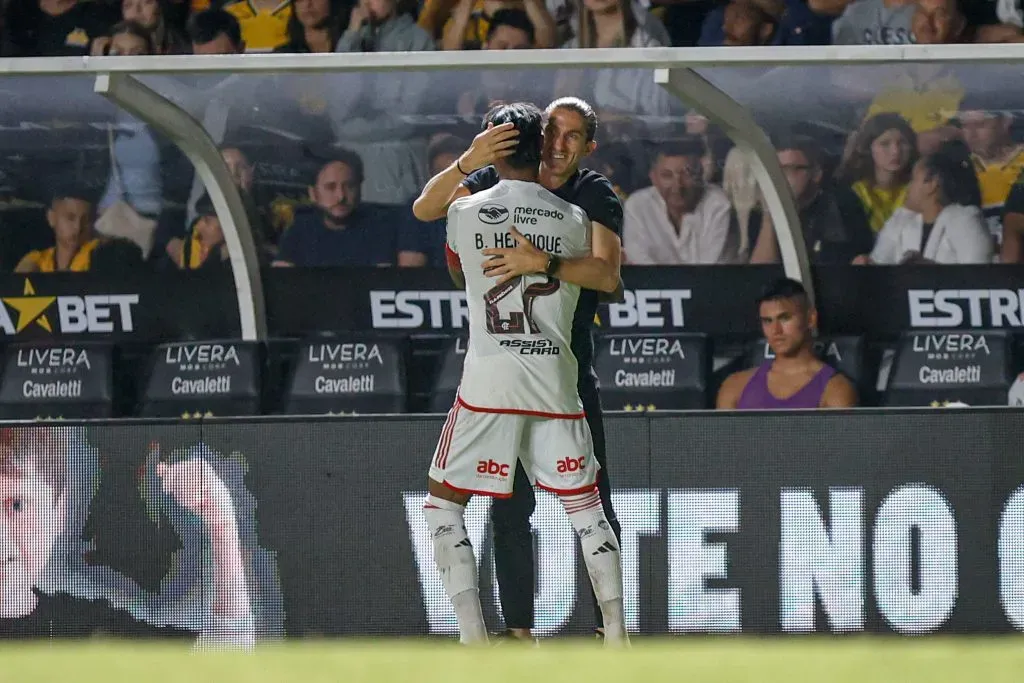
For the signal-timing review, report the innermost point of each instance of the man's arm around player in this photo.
(599, 271)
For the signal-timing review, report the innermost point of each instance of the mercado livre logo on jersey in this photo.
(66, 313)
(492, 214)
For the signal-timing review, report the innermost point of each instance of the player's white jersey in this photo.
(519, 357)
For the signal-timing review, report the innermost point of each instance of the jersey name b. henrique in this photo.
(519, 357)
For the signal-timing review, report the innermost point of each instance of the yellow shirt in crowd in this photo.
(46, 259)
(926, 106)
(433, 13)
(262, 29)
(996, 180)
(878, 202)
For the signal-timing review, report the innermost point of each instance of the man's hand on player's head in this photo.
(497, 142)
(523, 259)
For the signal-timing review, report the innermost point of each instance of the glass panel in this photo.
(857, 117)
(56, 141)
(288, 124)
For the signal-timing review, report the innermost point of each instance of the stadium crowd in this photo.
(922, 171)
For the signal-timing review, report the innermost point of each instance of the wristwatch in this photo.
(554, 262)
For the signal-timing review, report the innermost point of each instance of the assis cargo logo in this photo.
(34, 314)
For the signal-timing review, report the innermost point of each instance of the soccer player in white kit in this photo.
(518, 398)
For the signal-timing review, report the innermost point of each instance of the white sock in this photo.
(453, 554)
(601, 553)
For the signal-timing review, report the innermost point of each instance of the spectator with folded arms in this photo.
(941, 220)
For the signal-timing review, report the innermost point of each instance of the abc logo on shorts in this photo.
(492, 467)
(571, 465)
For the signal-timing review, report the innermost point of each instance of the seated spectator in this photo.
(679, 219)
(765, 22)
(133, 198)
(164, 38)
(927, 96)
(941, 220)
(875, 22)
(207, 247)
(423, 243)
(70, 217)
(383, 26)
(509, 29)
(471, 23)
(1012, 248)
(340, 230)
(54, 28)
(371, 114)
(315, 26)
(618, 95)
(170, 234)
(614, 23)
(126, 39)
(945, 22)
(740, 186)
(264, 23)
(835, 228)
(215, 32)
(796, 378)
(879, 164)
(998, 161)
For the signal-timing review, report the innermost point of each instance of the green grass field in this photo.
(693, 660)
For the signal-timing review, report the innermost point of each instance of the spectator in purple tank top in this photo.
(796, 378)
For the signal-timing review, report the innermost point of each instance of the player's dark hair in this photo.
(785, 289)
(204, 27)
(513, 18)
(529, 121)
(952, 167)
(803, 144)
(685, 146)
(582, 108)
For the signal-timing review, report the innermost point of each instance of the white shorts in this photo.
(478, 451)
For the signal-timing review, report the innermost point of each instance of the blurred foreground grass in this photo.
(690, 660)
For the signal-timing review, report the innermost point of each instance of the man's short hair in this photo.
(207, 25)
(71, 191)
(785, 289)
(338, 155)
(529, 121)
(684, 146)
(803, 144)
(582, 108)
(513, 18)
(37, 451)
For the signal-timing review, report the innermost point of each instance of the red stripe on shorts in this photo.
(447, 445)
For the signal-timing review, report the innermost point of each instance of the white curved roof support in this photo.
(171, 120)
(734, 119)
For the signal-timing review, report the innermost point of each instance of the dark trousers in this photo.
(513, 535)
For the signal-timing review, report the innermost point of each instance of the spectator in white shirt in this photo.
(679, 219)
(941, 220)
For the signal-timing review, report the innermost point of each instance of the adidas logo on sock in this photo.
(606, 547)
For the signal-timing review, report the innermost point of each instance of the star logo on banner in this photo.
(30, 308)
